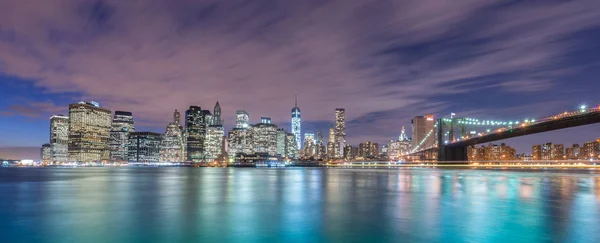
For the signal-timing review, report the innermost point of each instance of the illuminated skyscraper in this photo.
(59, 138)
(264, 138)
(242, 119)
(144, 147)
(309, 145)
(122, 125)
(281, 142)
(214, 142)
(89, 132)
(297, 123)
(172, 146)
(331, 145)
(423, 134)
(46, 153)
(217, 115)
(195, 131)
(239, 141)
(291, 149)
(340, 131)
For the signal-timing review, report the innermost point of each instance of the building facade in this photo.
(46, 153)
(242, 119)
(196, 133)
(59, 138)
(291, 147)
(340, 130)
(89, 132)
(144, 147)
(214, 142)
(423, 132)
(172, 146)
(297, 124)
(122, 125)
(264, 138)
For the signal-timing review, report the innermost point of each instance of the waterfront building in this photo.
(340, 130)
(172, 146)
(144, 147)
(548, 151)
(331, 150)
(46, 153)
(122, 125)
(291, 147)
(240, 141)
(59, 138)
(398, 148)
(591, 150)
(214, 142)
(573, 152)
(281, 144)
(423, 132)
(89, 132)
(368, 150)
(196, 131)
(297, 123)
(536, 152)
(309, 148)
(242, 119)
(492, 152)
(557, 152)
(217, 120)
(264, 138)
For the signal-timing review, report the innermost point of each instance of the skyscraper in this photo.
(309, 144)
(144, 147)
(239, 141)
(195, 129)
(340, 131)
(242, 119)
(213, 144)
(331, 145)
(264, 138)
(297, 123)
(89, 132)
(291, 149)
(423, 134)
(46, 153)
(172, 146)
(122, 125)
(217, 115)
(59, 138)
(281, 142)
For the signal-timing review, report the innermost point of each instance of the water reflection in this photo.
(297, 205)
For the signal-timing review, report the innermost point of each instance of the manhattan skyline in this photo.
(493, 60)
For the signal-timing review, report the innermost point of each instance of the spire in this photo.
(296, 100)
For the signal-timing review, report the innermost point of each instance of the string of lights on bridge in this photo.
(477, 122)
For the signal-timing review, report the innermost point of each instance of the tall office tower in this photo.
(281, 142)
(144, 147)
(214, 142)
(264, 138)
(331, 152)
(297, 123)
(217, 115)
(172, 146)
(176, 117)
(207, 117)
(404, 141)
(319, 138)
(122, 125)
(195, 129)
(59, 138)
(89, 132)
(340, 130)
(242, 119)
(309, 145)
(291, 149)
(46, 153)
(423, 134)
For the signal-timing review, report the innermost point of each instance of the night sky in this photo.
(384, 61)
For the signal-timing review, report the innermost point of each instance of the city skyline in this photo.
(383, 69)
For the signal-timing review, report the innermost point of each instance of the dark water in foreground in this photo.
(297, 205)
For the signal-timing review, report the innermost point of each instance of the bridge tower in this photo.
(449, 152)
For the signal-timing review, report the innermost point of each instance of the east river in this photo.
(298, 205)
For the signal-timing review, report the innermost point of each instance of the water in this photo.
(297, 205)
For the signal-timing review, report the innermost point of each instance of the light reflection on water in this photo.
(297, 205)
